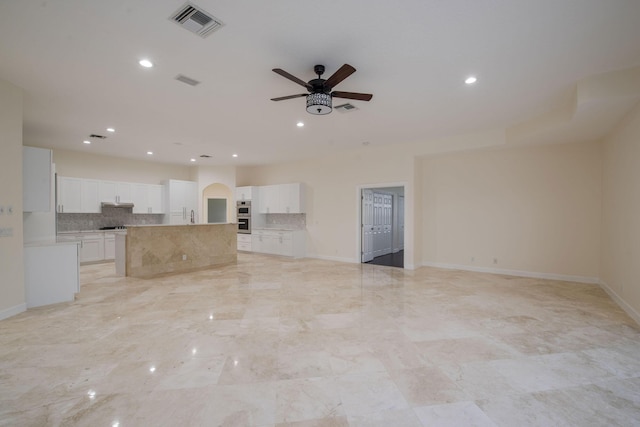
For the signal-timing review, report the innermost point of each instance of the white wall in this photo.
(12, 290)
(535, 209)
(86, 165)
(620, 267)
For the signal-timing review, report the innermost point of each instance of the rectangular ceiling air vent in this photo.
(188, 80)
(93, 135)
(196, 20)
(345, 107)
(205, 156)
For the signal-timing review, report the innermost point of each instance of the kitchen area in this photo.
(272, 219)
(144, 229)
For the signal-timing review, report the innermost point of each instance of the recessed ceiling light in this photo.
(471, 80)
(111, 130)
(192, 160)
(150, 153)
(146, 63)
(300, 124)
(86, 141)
(234, 155)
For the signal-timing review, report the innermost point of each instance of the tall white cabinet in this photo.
(181, 199)
(36, 179)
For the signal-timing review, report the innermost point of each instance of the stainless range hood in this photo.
(116, 205)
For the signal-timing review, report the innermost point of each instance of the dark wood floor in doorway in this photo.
(391, 260)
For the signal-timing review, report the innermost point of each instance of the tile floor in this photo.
(279, 342)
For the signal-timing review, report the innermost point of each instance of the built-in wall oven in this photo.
(244, 216)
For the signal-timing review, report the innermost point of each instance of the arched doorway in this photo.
(217, 201)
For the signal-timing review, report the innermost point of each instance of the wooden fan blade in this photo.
(282, 98)
(343, 72)
(293, 78)
(352, 95)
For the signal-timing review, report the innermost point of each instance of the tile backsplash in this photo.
(110, 217)
(290, 221)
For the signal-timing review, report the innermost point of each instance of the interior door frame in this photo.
(358, 227)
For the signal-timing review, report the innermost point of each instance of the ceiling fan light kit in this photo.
(319, 103)
(320, 94)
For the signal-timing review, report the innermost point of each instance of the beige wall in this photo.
(620, 268)
(218, 191)
(12, 292)
(332, 189)
(85, 165)
(534, 209)
(224, 176)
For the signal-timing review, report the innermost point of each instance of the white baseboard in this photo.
(519, 273)
(12, 311)
(618, 300)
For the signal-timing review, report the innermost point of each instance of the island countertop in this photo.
(154, 249)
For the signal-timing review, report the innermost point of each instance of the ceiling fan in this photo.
(320, 90)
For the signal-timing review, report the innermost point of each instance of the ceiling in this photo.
(77, 62)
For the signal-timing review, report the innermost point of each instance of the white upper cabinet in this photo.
(292, 198)
(69, 195)
(147, 199)
(283, 198)
(77, 195)
(116, 192)
(90, 203)
(36, 179)
(269, 199)
(155, 193)
(140, 199)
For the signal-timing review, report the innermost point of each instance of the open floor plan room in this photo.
(274, 341)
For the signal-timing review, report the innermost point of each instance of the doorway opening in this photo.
(382, 226)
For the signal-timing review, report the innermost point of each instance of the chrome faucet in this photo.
(193, 217)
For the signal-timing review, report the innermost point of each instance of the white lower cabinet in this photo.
(92, 245)
(51, 273)
(109, 246)
(244, 242)
(279, 242)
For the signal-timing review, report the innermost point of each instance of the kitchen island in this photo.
(150, 250)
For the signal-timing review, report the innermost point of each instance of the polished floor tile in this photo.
(281, 342)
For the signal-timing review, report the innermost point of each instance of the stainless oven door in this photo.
(244, 225)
